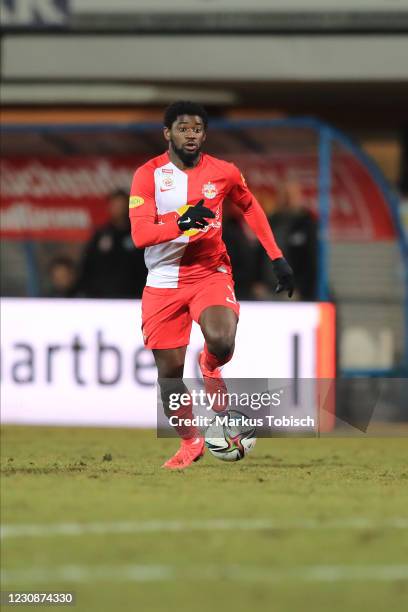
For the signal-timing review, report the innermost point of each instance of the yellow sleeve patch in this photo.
(135, 201)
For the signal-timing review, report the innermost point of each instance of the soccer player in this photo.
(175, 209)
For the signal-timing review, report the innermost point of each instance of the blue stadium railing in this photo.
(327, 136)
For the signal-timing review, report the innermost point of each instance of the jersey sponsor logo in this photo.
(167, 170)
(209, 191)
(167, 183)
(135, 201)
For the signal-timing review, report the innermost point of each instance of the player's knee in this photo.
(220, 343)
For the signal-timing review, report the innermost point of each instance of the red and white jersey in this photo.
(159, 195)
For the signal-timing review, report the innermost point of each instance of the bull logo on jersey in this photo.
(209, 191)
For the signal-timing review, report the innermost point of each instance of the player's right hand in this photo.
(195, 217)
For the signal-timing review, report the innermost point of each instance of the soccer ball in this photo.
(227, 437)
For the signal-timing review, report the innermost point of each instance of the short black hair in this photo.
(118, 193)
(184, 107)
(61, 260)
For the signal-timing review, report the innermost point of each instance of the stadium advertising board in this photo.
(82, 362)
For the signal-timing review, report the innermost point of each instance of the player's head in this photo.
(185, 125)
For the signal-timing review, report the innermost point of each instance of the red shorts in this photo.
(167, 314)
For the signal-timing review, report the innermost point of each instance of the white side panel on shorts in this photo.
(163, 260)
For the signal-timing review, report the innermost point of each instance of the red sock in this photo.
(185, 431)
(212, 362)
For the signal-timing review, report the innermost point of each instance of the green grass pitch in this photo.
(300, 524)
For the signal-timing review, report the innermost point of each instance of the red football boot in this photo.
(190, 450)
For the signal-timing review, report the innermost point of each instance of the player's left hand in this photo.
(284, 274)
(195, 217)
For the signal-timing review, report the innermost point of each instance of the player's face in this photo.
(186, 137)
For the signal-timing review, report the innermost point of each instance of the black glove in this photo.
(195, 217)
(284, 274)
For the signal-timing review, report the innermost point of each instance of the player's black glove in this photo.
(195, 217)
(284, 274)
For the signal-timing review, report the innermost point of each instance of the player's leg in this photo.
(166, 325)
(170, 362)
(170, 367)
(219, 326)
(216, 310)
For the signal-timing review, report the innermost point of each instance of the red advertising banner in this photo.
(59, 198)
(65, 198)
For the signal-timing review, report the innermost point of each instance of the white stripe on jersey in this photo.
(163, 260)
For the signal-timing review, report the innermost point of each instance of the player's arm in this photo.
(255, 216)
(146, 231)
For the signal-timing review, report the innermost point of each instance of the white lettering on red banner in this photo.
(65, 198)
